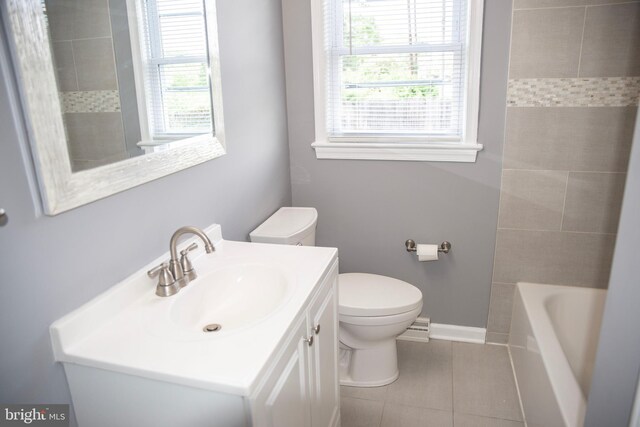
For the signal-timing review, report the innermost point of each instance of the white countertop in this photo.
(116, 331)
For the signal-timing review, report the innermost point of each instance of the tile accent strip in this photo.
(574, 92)
(94, 101)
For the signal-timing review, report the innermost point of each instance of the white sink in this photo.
(254, 291)
(232, 297)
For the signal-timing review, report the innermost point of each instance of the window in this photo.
(174, 69)
(397, 79)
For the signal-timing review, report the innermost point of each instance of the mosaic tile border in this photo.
(574, 92)
(94, 101)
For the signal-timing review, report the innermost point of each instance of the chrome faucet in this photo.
(179, 272)
(179, 267)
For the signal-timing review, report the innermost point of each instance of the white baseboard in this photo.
(440, 331)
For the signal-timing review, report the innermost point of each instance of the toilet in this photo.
(373, 310)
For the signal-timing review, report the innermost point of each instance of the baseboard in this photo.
(440, 331)
(422, 330)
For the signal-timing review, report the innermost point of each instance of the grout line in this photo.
(564, 202)
(501, 183)
(115, 69)
(576, 6)
(360, 398)
(81, 39)
(577, 106)
(550, 7)
(453, 408)
(515, 380)
(561, 170)
(621, 105)
(557, 231)
(412, 405)
(487, 416)
(500, 344)
(75, 67)
(384, 406)
(612, 4)
(584, 25)
(504, 150)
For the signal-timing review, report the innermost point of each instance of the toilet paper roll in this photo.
(427, 252)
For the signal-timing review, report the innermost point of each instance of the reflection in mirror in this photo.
(133, 76)
(140, 92)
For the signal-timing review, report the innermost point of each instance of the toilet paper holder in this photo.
(444, 248)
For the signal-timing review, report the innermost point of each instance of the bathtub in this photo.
(553, 341)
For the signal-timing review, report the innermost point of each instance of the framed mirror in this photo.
(116, 92)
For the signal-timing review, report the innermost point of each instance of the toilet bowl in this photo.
(373, 310)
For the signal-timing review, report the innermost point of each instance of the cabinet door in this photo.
(284, 400)
(323, 316)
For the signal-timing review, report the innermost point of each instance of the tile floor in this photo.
(441, 384)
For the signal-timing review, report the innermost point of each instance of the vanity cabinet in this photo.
(302, 389)
(131, 360)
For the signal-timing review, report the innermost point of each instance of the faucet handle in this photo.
(166, 283)
(187, 267)
(188, 249)
(155, 271)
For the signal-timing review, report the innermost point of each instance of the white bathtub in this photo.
(553, 341)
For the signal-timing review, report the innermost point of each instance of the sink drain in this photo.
(213, 327)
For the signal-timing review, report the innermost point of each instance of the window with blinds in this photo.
(395, 69)
(176, 68)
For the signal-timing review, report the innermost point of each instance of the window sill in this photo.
(462, 153)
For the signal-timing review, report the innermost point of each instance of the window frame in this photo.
(142, 61)
(410, 148)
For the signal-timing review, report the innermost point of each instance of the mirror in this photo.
(116, 92)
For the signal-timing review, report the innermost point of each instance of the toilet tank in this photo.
(288, 226)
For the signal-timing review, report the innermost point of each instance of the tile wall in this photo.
(574, 84)
(82, 46)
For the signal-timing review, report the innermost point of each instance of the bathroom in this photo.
(549, 199)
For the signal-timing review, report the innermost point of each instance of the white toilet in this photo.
(372, 309)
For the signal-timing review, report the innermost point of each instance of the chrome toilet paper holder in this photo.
(444, 248)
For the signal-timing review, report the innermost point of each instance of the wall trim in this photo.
(433, 152)
(441, 331)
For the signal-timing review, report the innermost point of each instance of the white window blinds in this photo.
(395, 68)
(176, 68)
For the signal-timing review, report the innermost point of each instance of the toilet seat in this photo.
(392, 319)
(373, 295)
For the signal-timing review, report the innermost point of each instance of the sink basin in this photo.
(232, 297)
(254, 291)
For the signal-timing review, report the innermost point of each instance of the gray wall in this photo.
(615, 375)
(566, 147)
(52, 265)
(369, 208)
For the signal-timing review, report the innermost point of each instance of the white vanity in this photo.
(135, 359)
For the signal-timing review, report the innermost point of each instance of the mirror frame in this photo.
(60, 188)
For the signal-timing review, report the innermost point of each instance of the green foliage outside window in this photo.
(380, 68)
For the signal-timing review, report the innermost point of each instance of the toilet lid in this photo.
(362, 294)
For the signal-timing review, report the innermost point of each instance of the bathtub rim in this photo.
(566, 388)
